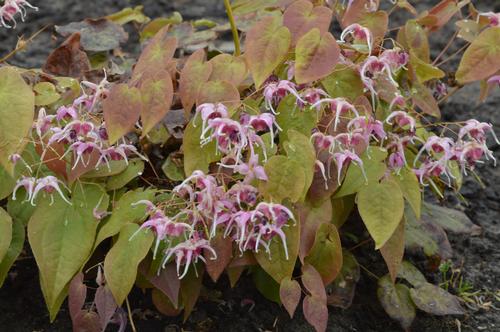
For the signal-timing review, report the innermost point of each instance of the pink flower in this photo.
(371, 69)
(264, 122)
(397, 160)
(340, 106)
(438, 144)
(477, 130)
(49, 184)
(344, 158)
(311, 96)
(66, 113)
(12, 7)
(360, 33)
(323, 142)
(43, 123)
(209, 112)
(395, 58)
(494, 80)
(402, 119)
(275, 92)
(99, 91)
(494, 18)
(252, 170)
(29, 185)
(244, 193)
(188, 252)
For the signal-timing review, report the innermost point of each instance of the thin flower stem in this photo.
(23, 45)
(132, 325)
(448, 45)
(234, 30)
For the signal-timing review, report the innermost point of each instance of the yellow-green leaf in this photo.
(381, 206)
(286, 179)
(424, 71)
(197, 157)
(5, 232)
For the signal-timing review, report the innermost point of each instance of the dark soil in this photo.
(21, 302)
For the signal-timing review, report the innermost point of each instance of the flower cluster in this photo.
(34, 186)
(209, 207)
(10, 9)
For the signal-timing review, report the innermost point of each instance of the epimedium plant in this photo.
(185, 162)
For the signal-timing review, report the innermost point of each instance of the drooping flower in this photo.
(342, 159)
(28, 183)
(49, 185)
(208, 112)
(340, 106)
(251, 170)
(402, 119)
(10, 9)
(358, 32)
(477, 131)
(274, 92)
(264, 122)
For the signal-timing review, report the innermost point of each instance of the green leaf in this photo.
(122, 109)
(424, 71)
(435, 300)
(396, 301)
(7, 183)
(480, 60)
(61, 237)
(15, 248)
(226, 67)
(122, 261)
(133, 170)
(414, 37)
(190, 289)
(173, 171)
(219, 92)
(46, 94)
(267, 47)
(326, 253)
(289, 116)
(344, 82)
(342, 208)
(374, 166)
(266, 285)
(124, 213)
(311, 217)
(115, 167)
(377, 22)
(286, 179)
(299, 148)
(197, 157)
(316, 55)
(5, 232)
(410, 187)
(128, 15)
(20, 209)
(381, 206)
(17, 103)
(278, 266)
(410, 273)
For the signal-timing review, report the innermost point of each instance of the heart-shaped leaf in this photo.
(5, 232)
(326, 253)
(316, 55)
(290, 294)
(435, 300)
(480, 60)
(315, 312)
(15, 248)
(266, 47)
(393, 250)
(195, 73)
(226, 67)
(286, 179)
(344, 82)
(219, 92)
(196, 156)
(122, 109)
(381, 206)
(121, 262)
(17, 104)
(396, 301)
(311, 217)
(223, 246)
(302, 16)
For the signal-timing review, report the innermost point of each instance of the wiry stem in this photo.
(234, 30)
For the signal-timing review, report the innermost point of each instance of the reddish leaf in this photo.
(480, 60)
(190, 289)
(157, 93)
(266, 47)
(290, 293)
(228, 68)
(68, 59)
(52, 157)
(105, 305)
(326, 253)
(163, 304)
(194, 74)
(223, 246)
(302, 16)
(315, 312)
(86, 321)
(311, 217)
(77, 293)
(167, 281)
(442, 13)
(311, 279)
(315, 56)
(157, 54)
(121, 110)
(413, 37)
(393, 250)
(356, 11)
(80, 169)
(219, 92)
(423, 98)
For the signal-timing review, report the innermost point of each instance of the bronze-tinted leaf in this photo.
(105, 305)
(266, 47)
(96, 35)
(87, 321)
(302, 16)
(311, 217)
(316, 55)
(195, 73)
(423, 99)
(223, 246)
(68, 59)
(326, 253)
(480, 60)
(393, 250)
(157, 92)
(166, 281)
(122, 109)
(414, 37)
(435, 300)
(77, 293)
(290, 293)
(163, 304)
(157, 54)
(219, 92)
(190, 289)
(315, 312)
(312, 281)
(226, 67)
(396, 301)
